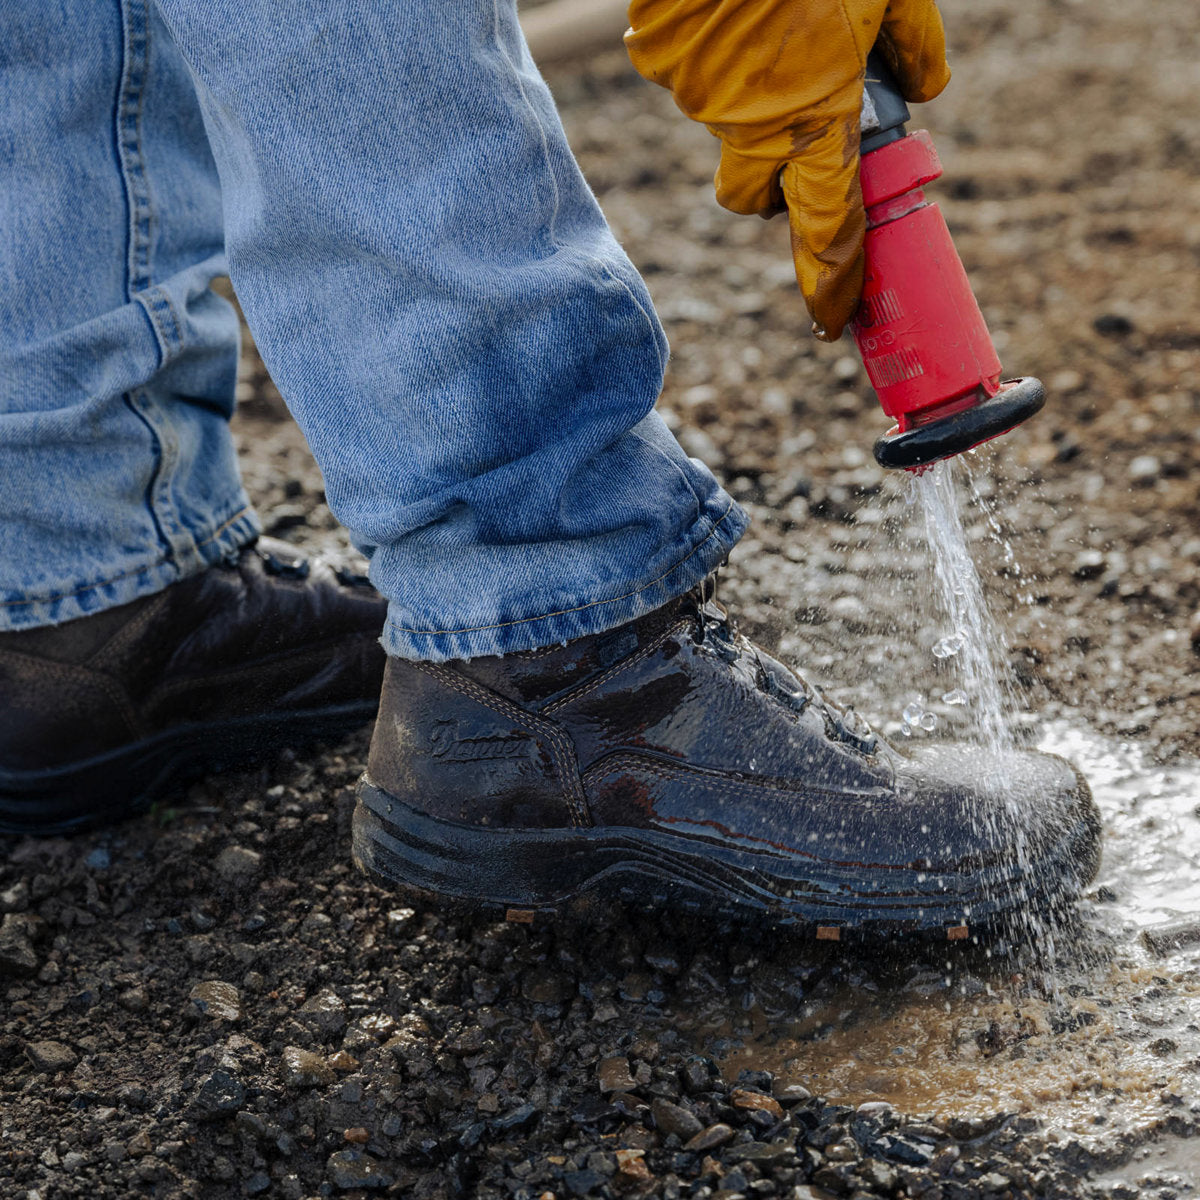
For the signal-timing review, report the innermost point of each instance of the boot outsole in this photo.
(121, 784)
(529, 875)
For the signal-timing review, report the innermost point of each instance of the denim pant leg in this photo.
(117, 363)
(471, 355)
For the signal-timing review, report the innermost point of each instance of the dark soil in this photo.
(210, 1002)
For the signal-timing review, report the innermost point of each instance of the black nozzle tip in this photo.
(1016, 401)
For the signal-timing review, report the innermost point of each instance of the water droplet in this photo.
(912, 713)
(906, 729)
(957, 696)
(929, 722)
(947, 647)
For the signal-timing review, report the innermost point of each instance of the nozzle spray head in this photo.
(919, 330)
(943, 434)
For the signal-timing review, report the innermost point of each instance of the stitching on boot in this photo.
(722, 780)
(600, 680)
(562, 751)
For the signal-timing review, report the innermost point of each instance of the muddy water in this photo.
(1105, 1038)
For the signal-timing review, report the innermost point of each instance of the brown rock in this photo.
(303, 1068)
(51, 1057)
(631, 1168)
(741, 1098)
(217, 1000)
(710, 1138)
(614, 1076)
(672, 1118)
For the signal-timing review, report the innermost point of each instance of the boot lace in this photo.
(716, 631)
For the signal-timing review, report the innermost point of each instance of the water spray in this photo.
(922, 338)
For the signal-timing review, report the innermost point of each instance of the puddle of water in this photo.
(1106, 1038)
(1173, 1165)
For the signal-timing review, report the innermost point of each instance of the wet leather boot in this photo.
(672, 763)
(101, 715)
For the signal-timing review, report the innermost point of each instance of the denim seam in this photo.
(158, 306)
(549, 166)
(579, 608)
(154, 566)
(131, 98)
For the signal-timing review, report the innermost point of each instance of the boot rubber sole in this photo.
(127, 781)
(525, 874)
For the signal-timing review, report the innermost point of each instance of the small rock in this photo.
(672, 1118)
(631, 1168)
(349, 1169)
(357, 1136)
(768, 1153)
(1089, 564)
(755, 1102)
(1113, 325)
(325, 1013)
(584, 1183)
(1144, 470)
(238, 864)
(16, 898)
(73, 1161)
(1169, 936)
(696, 1075)
(710, 1138)
(217, 1000)
(51, 1057)
(217, 1095)
(139, 1145)
(904, 1150)
(257, 1183)
(614, 1076)
(547, 987)
(398, 920)
(879, 1177)
(993, 1181)
(17, 956)
(522, 1117)
(343, 1062)
(98, 860)
(303, 1068)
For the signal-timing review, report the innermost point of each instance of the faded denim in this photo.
(471, 355)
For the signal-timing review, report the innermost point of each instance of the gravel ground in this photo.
(209, 1002)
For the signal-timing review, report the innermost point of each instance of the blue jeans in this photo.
(472, 357)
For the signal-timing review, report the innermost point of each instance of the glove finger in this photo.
(748, 185)
(828, 225)
(913, 41)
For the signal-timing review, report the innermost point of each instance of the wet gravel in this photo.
(210, 1002)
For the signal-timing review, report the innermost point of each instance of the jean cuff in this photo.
(705, 546)
(224, 539)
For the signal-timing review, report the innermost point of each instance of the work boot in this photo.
(101, 715)
(671, 763)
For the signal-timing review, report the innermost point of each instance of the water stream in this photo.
(973, 638)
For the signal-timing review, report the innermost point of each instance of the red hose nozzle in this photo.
(919, 330)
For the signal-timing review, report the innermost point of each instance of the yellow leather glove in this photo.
(780, 83)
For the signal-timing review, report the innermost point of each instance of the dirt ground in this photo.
(209, 1002)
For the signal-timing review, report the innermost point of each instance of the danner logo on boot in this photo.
(450, 747)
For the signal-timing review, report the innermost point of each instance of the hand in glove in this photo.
(780, 83)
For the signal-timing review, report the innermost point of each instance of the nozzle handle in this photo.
(884, 111)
